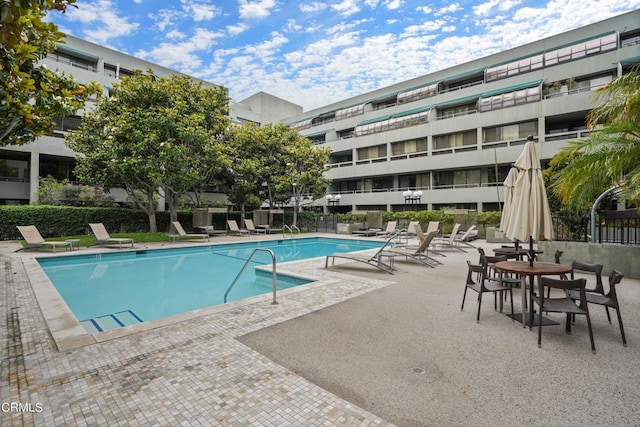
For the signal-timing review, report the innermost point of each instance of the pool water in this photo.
(107, 291)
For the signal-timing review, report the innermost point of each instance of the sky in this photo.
(314, 53)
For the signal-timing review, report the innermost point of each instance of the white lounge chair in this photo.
(34, 240)
(374, 260)
(233, 227)
(181, 234)
(103, 237)
(252, 228)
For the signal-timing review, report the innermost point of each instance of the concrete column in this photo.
(34, 176)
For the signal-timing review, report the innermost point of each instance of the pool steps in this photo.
(110, 321)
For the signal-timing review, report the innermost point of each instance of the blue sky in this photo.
(314, 53)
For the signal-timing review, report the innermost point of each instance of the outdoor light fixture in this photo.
(333, 199)
(412, 197)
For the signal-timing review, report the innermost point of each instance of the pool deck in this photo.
(359, 348)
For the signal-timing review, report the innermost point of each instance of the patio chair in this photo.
(103, 237)
(233, 227)
(252, 228)
(181, 234)
(421, 254)
(482, 285)
(374, 260)
(563, 304)
(34, 240)
(608, 300)
(391, 227)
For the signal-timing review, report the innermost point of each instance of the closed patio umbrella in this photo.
(509, 188)
(530, 215)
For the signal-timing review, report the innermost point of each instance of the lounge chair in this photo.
(103, 237)
(252, 228)
(233, 227)
(433, 226)
(181, 234)
(464, 238)
(391, 227)
(34, 240)
(374, 260)
(421, 254)
(450, 241)
(210, 230)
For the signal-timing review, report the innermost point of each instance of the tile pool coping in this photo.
(68, 334)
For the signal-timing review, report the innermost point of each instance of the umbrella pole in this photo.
(531, 251)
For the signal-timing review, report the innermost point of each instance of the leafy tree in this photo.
(31, 96)
(306, 165)
(611, 154)
(152, 134)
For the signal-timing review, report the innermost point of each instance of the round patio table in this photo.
(538, 269)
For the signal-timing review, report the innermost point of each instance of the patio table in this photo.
(524, 269)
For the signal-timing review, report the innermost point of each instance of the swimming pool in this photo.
(110, 290)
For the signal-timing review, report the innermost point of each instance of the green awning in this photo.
(322, 132)
(458, 101)
(630, 61)
(413, 111)
(464, 75)
(375, 120)
(75, 52)
(510, 88)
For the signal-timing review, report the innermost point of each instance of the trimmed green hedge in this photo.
(61, 221)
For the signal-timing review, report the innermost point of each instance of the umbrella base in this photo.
(545, 321)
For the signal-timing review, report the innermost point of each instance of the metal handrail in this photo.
(273, 262)
(293, 229)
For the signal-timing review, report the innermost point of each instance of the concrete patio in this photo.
(359, 348)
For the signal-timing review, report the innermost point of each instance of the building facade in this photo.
(21, 167)
(448, 139)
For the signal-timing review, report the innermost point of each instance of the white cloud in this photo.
(347, 7)
(393, 4)
(452, 8)
(312, 7)
(424, 9)
(256, 9)
(175, 35)
(101, 20)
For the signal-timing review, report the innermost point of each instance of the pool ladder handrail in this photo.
(244, 267)
(293, 229)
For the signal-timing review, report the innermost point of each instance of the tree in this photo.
(611, 154)
(152, 134)
(305, 165)
(31, 96)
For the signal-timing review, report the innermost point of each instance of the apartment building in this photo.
(22, 166)
(448, 139)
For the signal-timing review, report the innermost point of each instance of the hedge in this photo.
(61, 221)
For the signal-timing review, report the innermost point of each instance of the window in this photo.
(407, 147)
(349, 112)
(374, 152)
(397, 121)
(347, 133)
(14, 170)
(421, 180)
(510, 99)
(509, 132)
(454, 140)
(458, 110)
(419, 93)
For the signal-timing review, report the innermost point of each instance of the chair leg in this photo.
(539, 326)
(624, 340)
(593, 345)
(513, 317)
(608, 315)
(479, 306)
(463, 297)
(567, 327)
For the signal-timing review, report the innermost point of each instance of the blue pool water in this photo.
(116, 289)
